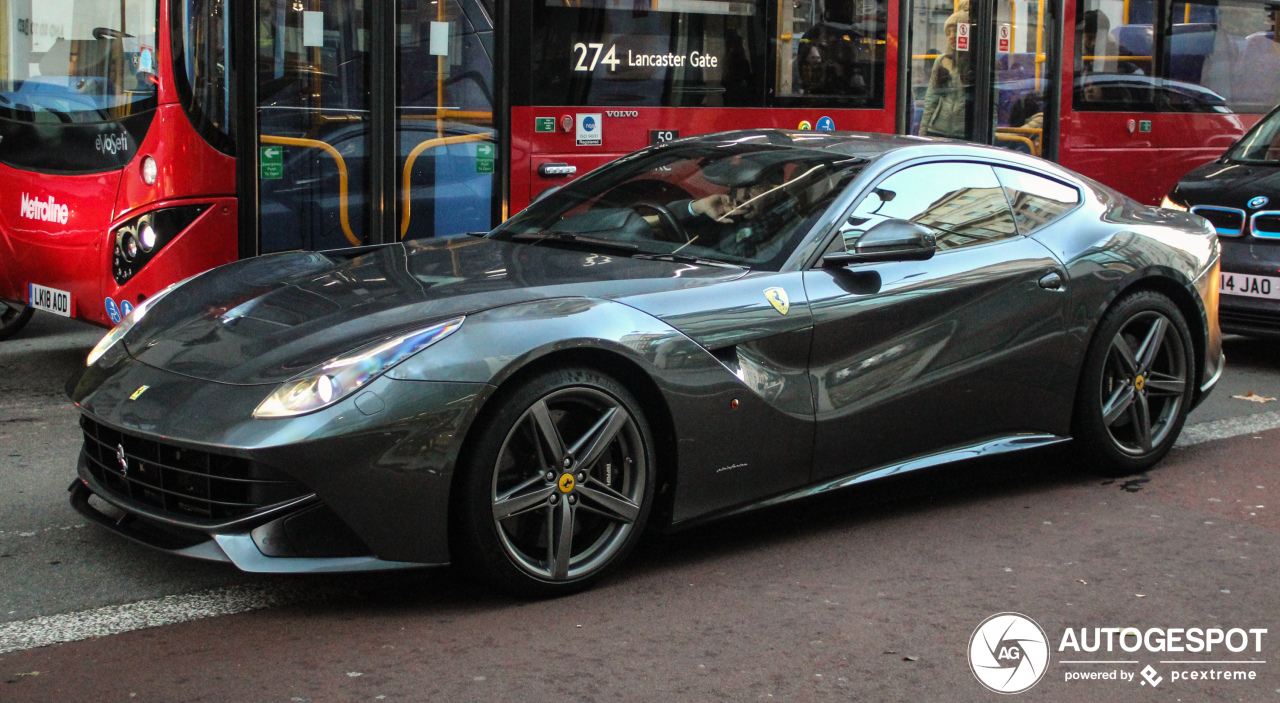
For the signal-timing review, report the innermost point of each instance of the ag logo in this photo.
(1258, 202)
(778, 298)
(1008, 653)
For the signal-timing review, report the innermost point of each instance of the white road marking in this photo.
(169, 610)
(1231, 427)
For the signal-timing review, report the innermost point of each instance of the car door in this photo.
(914, 357)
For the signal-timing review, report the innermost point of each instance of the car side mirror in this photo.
(889, 240)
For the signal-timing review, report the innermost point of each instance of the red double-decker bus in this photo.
(144, 141)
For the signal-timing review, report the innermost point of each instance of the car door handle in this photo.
(1051, 281)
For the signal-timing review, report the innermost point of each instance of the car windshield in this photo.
(747, 204)
(1261, 144)
(77, 61)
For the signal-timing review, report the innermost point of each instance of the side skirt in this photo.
(991, 447)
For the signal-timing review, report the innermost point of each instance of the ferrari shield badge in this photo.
(138, 393)
(778, 298)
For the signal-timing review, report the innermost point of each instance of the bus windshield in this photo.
(77, 61)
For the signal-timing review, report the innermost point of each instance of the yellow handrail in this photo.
(1000, 136)
(342, 175)
(405, 179)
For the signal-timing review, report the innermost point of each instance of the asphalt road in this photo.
(800, 602)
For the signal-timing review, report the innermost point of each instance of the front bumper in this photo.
(372, 489)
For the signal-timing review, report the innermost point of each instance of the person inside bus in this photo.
(1256, 78)
(946, 100)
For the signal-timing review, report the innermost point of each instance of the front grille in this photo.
(183, 482)
(1266, 225)
(1228, 221)
(1248, 321)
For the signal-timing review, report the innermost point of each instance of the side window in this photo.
(963, 203)
(1036, 201)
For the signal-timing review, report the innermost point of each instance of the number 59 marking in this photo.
(610, 58)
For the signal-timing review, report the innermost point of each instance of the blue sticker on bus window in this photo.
(826, 124)
(113, 311)
(126, 307)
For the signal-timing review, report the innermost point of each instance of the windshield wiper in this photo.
(538, 237)
(686, 259)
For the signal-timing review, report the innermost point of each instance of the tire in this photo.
(13, 317)
(525, 523)
(1136, 386)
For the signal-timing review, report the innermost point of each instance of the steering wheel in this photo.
(669, 221)
(108, 33)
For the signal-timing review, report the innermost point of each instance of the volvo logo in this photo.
(122, 460)
(1257, 202)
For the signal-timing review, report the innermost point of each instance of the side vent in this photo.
(729, 357)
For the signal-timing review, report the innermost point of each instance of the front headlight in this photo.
(1172, 205)
(338, 378)
(118, 332)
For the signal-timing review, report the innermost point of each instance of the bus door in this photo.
(985, 71)
(373, 122)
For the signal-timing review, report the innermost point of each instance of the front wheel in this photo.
(558, 485)
(1136, 387)
(13, 317)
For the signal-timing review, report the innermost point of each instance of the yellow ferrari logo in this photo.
(566, 483)
(778, 298)
(139, 392)
(1139, 382)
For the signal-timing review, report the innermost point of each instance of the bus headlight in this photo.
(118, 332)
(138, 239)
(149, 170)
(338, 378)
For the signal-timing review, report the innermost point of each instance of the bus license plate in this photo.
(51, 300)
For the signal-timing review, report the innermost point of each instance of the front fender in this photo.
(726, 455)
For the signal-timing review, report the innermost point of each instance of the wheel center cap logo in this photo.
(122, 459)
(566, 483)
(1139, 382)
(1009, 653)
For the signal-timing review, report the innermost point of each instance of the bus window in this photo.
(831, 52)
(447, 152)
(1223, 53)
(1220, 56)
(202, 56)
(1113, 60)
(68, 64)
(695, 53)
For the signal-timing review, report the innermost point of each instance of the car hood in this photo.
(1230, 185)
(267, 319)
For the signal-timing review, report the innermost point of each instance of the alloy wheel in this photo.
(568, 484)
(1144, 383)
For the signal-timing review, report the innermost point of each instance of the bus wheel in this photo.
(13, 317)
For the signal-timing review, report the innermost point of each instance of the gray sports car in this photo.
(694, 330)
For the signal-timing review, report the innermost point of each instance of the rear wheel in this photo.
(558, 485)
(13, 317)
(1136, 387)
